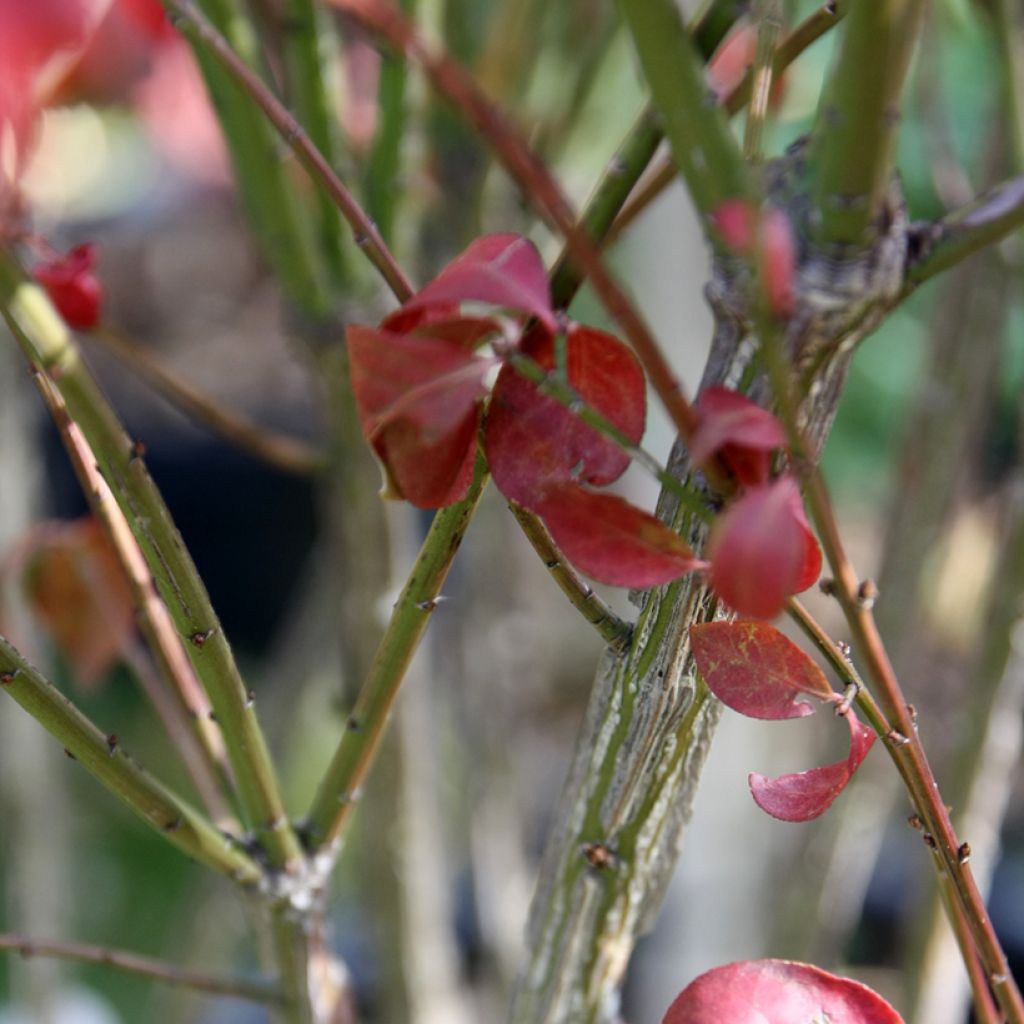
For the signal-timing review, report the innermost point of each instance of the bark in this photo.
(650, 720)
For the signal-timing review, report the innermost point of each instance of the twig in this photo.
(103, 757)
(188, 721)
(194, 23)
(47, 345)
(809, 31)
(964, 232)
(339, 790)
(285, 453)
(133, 963)
(614, 631)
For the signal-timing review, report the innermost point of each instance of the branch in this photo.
(964, 232)
(703, 146)
(188, 721)
(854, 135)
(287, 454)
(194, 24)
(49, 349)
(339, 790)
(103, 757)
(132, 963)
(614, 631)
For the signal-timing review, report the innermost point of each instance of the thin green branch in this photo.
(697, 129)
(274, 207)
(264, 992)
(614, 631)
(193, 23)
(960, 234)
(188, 722)
(339, 790)
(288, 454)
(102, 756)
(308, 98)
(809, 31)
(854, 135)
(47, 345)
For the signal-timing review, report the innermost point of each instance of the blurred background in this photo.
(430, 901)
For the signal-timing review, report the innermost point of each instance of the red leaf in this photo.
(777, 992)
(739, 429)
(613, 541)
(735, 220)
(752, 668)
(505, 270)
(429, 473)
(418, 402)
(431, 382)
(533, 441)
(805, 795)
(762, 550)
(72, 285)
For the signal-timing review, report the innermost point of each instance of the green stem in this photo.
(964, 232)
(48, 347)
(103, 757)
(273, 206)
(338, 792)
(698, 131)
(133, 963)
(199, 744)
(768, 14)
(854, 135)
(308, 98)
(614, 631)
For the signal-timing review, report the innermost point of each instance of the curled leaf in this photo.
(743, 433)
(504, 270)
(777, 992)
(805, 795)
(418, 403)
(533, 441)
(613, 541)
(754, 669)
(762, 550)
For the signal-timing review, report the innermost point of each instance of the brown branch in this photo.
(285, 453)
(264, 992)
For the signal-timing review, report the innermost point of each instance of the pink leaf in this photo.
(762, 550)
(805, 795)
(740, 430)
(533, 441)
(777, 992)
(613, 541)
(504, 270)
(752, 668)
